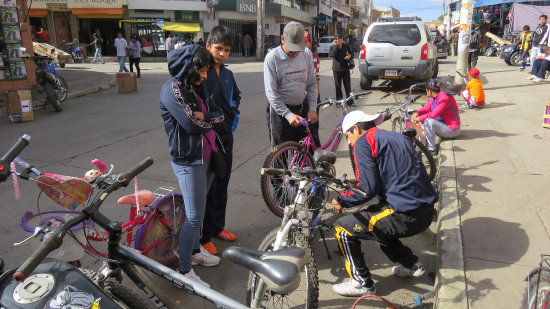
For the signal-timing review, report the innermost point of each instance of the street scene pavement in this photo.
(492, 224)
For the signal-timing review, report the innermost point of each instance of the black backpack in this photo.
(474, 40)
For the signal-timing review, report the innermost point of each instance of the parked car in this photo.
(441, 44)
(324, 45)
(511, 55)
(397, 48)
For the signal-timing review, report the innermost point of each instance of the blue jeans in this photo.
(534, 51)
(194, 182)
(523, 56)
(121, 62)
(98, 53)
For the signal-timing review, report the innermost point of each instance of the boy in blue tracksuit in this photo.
(224, 92)
(389, 169)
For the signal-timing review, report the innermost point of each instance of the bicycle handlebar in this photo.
(11, 154)
(352, 95)
(54, 239)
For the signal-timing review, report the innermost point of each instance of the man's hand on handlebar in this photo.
(336, 206)
(294, 120)
(312, 117)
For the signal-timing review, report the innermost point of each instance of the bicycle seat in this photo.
(280, 270)
(145, 197)
(409, 132)
(324, 156)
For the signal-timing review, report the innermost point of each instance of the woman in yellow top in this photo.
(474, 93)
(524, 46)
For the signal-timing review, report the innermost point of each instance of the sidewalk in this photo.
(494, 222)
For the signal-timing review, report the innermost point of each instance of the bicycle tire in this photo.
(120, 293)
(426, 158)
(538, 287)
(52, 98)
(397, 125)
(275, 195)
(308, 291)
(154, 231)
(62, 93)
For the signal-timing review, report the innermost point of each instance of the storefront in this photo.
(55, 17)
(241, 17)
(15, 73)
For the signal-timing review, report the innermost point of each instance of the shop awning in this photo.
(491, 2)
(98, 12)
(38, 12)
(181, 27)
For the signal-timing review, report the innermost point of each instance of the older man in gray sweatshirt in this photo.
(289, 77)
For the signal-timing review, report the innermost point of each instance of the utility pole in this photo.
(260, 44)
(466, 12)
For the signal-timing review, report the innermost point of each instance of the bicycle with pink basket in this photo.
(155, 218)
(277, 192)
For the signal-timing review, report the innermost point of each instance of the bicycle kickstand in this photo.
(324, 242)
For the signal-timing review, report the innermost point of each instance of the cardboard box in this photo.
(127, 82)
(19, 106)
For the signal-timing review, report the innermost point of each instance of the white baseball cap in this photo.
(359, 116)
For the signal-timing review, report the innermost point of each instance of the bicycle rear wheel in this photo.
(537, 293)
(306, 295)
(276, 192)
(426, 157)
(158, 237)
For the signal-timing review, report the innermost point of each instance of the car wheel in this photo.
(365, 82)
(515, 59)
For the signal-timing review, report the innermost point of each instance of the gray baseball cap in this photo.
(293, 34)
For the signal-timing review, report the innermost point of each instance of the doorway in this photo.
(62, 30)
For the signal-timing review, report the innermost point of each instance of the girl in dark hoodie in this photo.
(189, 118)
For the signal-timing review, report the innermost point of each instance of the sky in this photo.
(428, 10)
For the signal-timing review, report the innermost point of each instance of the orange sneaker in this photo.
(227, 235)
(209, 246)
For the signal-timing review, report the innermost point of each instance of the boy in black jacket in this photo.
(224, 93)
(341, 54)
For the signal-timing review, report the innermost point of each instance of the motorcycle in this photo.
(48, 81)
(494, 49)
(75, 51)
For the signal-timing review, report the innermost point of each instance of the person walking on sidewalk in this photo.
(389, 169)
(225, 94)
(524, 46)
(440, 115)
(289, 77)
(189, 118)
(135, 56)
(97, 42)
(540, 39)
(453, 38)
(121, 49)
(341, 53)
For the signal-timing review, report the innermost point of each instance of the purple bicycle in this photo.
(276, 192)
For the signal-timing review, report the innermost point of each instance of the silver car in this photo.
(397, 48)
(324, 45)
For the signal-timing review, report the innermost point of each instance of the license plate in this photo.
(391, 73)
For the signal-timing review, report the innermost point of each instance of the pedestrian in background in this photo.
(524, 46)
(97, 41)
(169, 43)
(45, 36)
(135, 55)
(341, 53)
(35, 36)
(121, 50)
(289, 77)
(247, 44)
(475, 40)
(454, 41)
(225, 94)
(540, 38)
(189, 119)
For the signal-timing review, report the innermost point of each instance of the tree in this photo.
(441, 17)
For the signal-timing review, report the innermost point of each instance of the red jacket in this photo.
(445, 108)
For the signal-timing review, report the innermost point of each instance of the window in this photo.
(396, 34)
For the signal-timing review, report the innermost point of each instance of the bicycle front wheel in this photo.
(426, 157)
(158, 237)
(305, 296)
(537, 293)
(277, 192)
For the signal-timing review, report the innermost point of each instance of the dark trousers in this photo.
(539, 68)
(314, 128)
(340, 76)
(472, 59)
(216, 200)
(280, 130)
(386, 231)
(136, 62)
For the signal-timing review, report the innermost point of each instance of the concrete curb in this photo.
(450, 281)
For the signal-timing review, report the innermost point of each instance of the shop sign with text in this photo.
(246, 6)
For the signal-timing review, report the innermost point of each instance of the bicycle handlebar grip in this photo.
(274, 171)
(50, 242)
(304, 122)
(140, 167)
(11, 154)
